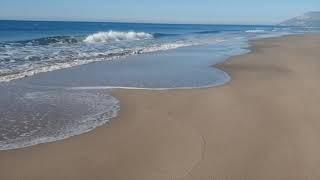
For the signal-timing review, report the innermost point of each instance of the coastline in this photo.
(260, 125)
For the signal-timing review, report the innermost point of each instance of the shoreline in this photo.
(250, 127)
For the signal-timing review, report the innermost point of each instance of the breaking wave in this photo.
(160, 35)
(50, 40)
(207, 32)
(102, 37)
(60, 61)
(255, 31)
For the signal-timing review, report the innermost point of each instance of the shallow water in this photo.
(48, 105)
(189, 67)
(31, 115)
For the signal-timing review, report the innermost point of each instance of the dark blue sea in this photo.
(55, 77)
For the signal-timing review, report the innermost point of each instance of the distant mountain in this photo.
(308, 19)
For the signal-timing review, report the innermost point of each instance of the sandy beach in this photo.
(262, 125)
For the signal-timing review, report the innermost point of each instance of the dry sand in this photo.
(263, 125)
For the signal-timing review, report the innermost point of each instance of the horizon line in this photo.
(137, 22)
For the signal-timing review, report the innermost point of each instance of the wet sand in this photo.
(262, 125)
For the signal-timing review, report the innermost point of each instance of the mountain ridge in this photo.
(311, 18)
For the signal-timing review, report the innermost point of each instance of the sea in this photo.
(56, 78)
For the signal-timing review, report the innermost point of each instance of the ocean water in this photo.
(56, 77)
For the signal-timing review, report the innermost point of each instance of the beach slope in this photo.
(262, 125)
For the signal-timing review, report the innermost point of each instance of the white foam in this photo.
(31, 70)
(255, 31)
(105, 107)
(102, 37)
(164, 47)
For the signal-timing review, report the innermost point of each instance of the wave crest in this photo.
(50, 40)
(255, 31)
(102, 37)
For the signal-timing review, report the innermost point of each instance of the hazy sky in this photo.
(164, 11)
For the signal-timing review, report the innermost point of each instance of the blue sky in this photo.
(163, 11)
